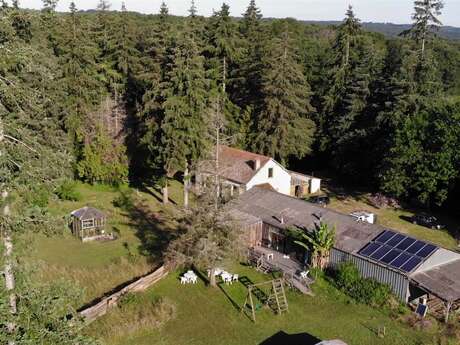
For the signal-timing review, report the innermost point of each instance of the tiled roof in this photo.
(270, 206)
(87, 213)
(237, 165)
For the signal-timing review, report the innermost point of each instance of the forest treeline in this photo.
(118, 95)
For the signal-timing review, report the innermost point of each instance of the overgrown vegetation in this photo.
(363, 290)
(67, 190)
(145, 312)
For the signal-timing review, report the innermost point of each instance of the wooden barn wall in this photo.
(253, 234)
(397, 281)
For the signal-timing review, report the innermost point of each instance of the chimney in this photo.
(256, 164)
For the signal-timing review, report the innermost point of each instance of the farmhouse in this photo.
(414, 269)
(241, 170)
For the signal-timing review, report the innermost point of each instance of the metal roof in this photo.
(86, 212)
(442, 281)
(271, 206)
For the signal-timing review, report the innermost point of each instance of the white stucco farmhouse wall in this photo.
(315, 185)
(281, 180)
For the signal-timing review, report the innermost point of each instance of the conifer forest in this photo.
(115, 97)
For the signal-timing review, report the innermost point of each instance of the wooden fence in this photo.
(142, 284)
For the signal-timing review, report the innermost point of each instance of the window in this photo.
(86, 224)
(270, 172)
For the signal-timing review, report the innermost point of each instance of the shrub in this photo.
(363, 290)
(68, 191)
(37, 196)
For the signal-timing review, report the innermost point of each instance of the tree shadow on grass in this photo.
(235, 305)
(152, 228)
(448, 225)
(156, 193)
(282, 338)
(260, 294)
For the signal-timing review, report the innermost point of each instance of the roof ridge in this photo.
(245, 151)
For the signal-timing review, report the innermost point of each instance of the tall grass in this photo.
(98, 280)
(144, 312)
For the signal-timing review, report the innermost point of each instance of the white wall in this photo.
(281, 180)
(315, 185)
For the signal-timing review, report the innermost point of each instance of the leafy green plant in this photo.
(319, 243)
(363, 290)
(68, 191)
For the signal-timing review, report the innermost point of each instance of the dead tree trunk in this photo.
(165, 193)
(186, 185)
(212, 277)
(8, 255)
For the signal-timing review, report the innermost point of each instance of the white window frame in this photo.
(86, 226)
(271, 171)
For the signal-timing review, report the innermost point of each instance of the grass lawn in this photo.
(398, 219)
(211, 316)
(98, 267)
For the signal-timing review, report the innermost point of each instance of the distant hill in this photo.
(393, 30)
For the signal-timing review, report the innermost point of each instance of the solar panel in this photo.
(380, 252)
(426, 251)
(416, 247)
(395, 240)
(400, 260)
(370, 248)
(411, 264)
(406, 243)
(390, 256)
(421, 310)
(397, 250)
(385, 236)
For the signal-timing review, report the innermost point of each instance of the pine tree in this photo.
(349, 75)
(348, 31)
(193, 10)
(284, 128)
(223, 44)
(182, 140)
(425, 21)
(246, 90)
(164, 11)
(50, 22)
(21, 23)
(81, 80)
(103, 26)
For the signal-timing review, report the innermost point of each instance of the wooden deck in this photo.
(269, 260)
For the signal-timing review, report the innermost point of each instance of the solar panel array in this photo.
(398, 251)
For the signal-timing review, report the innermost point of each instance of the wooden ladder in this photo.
(280, 295)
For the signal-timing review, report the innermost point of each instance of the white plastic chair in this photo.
(235, 277)
(193, 279)
(304, 274)
(183, 280)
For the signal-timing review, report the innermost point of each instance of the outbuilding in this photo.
(88, 223)
(417, 271)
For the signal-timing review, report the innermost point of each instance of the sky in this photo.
(391, 11)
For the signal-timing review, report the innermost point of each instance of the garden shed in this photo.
(88, 223)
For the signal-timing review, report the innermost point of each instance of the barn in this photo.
(417, 271)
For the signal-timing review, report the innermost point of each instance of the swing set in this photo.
(275, 299)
